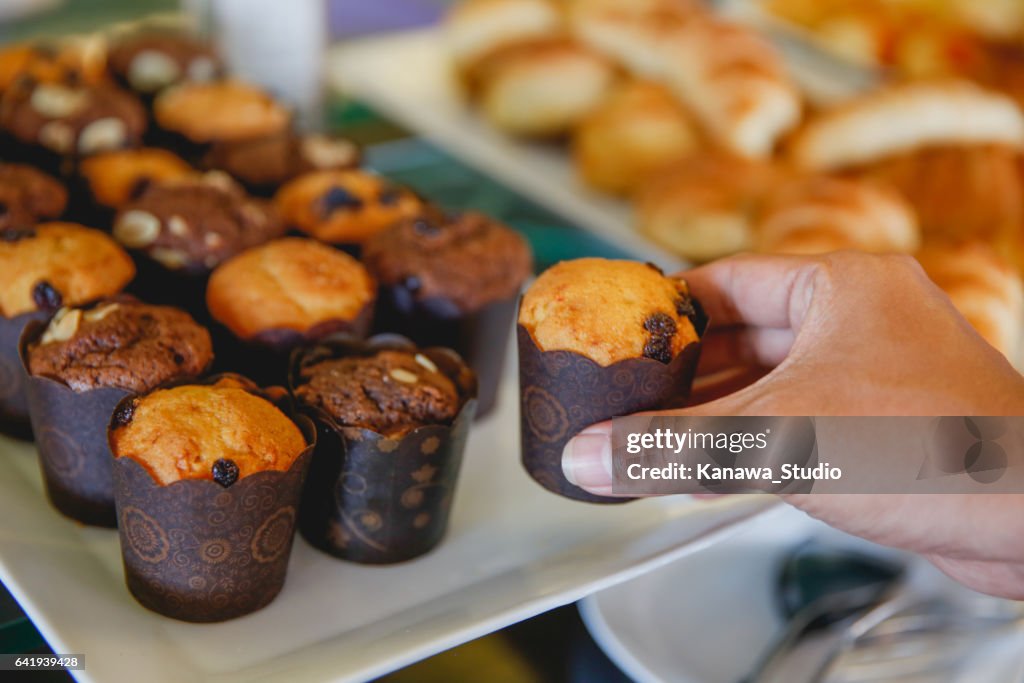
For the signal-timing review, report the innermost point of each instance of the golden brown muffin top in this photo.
(115, 178)
(609, 311)
(221, 110)
(292, 283)
(344, 206)
(199, 431)
(59, 264)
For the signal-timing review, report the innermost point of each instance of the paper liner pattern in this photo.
(562, 392)
(14, 414)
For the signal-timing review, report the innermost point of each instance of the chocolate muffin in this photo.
(70, 119)
(192, 225)
(28, 196)
(221, 111)
(609, 311)
(391, 392)
(344, 207)
(221, 432)
(264, 164)
(291, 285)
(120, 343)
(150, 61)
(112, 179)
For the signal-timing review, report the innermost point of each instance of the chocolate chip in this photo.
(46, 296)
(225, 472)
(140, 187)
(179, 359)
(338, 198)
(16, 234)
(4, 208)
(659, 346)
(390, 195)
(123, 414)
(684, 307)
(425, 227)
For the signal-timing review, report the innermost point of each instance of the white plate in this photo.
(407, 77)
(513, 551)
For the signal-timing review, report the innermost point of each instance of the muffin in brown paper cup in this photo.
(378, 500)
(563, 392)
(14, 411)
(198, 552)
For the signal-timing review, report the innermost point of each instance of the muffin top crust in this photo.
(220, 110)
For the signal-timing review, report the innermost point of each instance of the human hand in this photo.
(853, 334)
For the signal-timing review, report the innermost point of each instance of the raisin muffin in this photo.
(28, 196)
(290, 284)
(113, 179)
(221, 111)
(609, 311)
(344, 207)
(59, 264)
(220, 432)
(192, 225)
(150, 61)
(264, 164)
(71, 119)
(120, 343)
(391, 392)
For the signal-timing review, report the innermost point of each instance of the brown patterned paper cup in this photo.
(376, 500)
(481, 337)
(199, 552)
(562, 392)
(14, 413)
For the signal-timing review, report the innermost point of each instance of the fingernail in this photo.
(587, 461)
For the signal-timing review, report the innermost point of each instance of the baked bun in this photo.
(476, 28)
(705, 208)
(906, 118)
(638, 130)
(116, 178)
(983, 287)
(542, 88)
(27, 196)
(609, 311)
(817, 214)
(219, 111)
(193, 432)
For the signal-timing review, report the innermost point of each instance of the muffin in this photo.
(598, 339)
(52, 122)
(112, 179)
(263, 164)
(290, 285)
(344, 207)
(28, 196)
(393, 420)
(80, 59)
(79, 367)
(147, 62)
(42, 269)
(192, 225)
(207, 483)
(452, 281)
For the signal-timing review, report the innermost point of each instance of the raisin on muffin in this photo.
(120, 343)
(467, 259)
(609, 311)
(59, 264)
(70, 119)
(289, 284)
(28, 196)
(219, 432)
(150, 61)
(221, 111)
(192, 225)
(344, 207)
(390, 392)
(116, 178)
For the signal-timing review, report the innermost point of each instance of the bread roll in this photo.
(639, 129)
(818, 214)
(704, 208)
(475, 28)
(906, 118)
(983, 287)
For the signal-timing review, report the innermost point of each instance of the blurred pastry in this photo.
(476, 28)
(344, 207)
(639, 129)
(115, 178)
(28, 196)
(985, 288)
(149, 61)
(222, 111)
(75, 59)
(542, 88)
(906, 118)
(817, 214)
(705, 207)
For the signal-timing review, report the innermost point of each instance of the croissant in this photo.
(476, 28)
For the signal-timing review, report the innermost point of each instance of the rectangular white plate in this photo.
(513, 551)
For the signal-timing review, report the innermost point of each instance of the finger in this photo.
(722, 384)
(732, 347)
(587, 459)
(755, 290)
